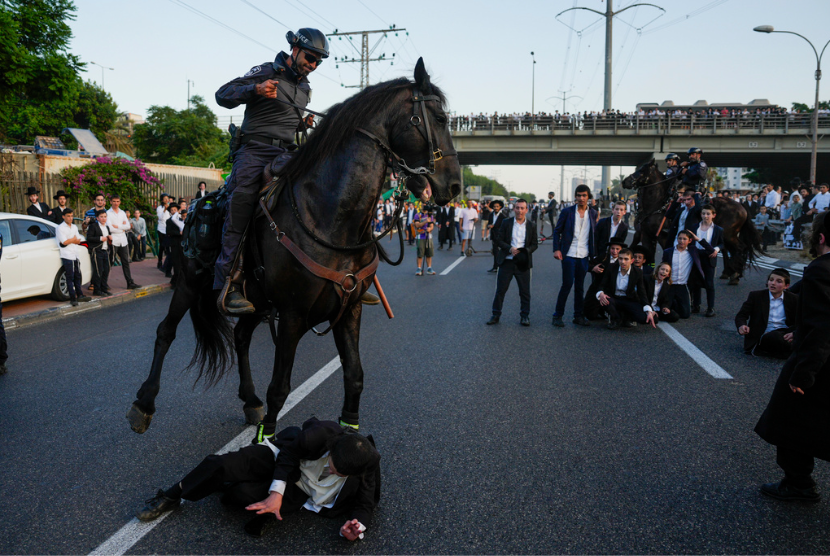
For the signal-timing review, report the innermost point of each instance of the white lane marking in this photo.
(771, 267)
(453, 265)
(126, 537)
(692, 351)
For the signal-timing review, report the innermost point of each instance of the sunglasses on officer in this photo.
(312, 59)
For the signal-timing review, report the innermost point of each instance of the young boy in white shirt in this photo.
(68, 239)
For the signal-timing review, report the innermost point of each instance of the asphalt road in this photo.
(495, 439)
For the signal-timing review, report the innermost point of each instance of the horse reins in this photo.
(665, 204)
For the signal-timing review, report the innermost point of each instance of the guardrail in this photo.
(635, 124)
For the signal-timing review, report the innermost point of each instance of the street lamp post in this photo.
(102, 71)
(533, 95)
(813, 155)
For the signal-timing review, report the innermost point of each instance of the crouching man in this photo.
(324, 468)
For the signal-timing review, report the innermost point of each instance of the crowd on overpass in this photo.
(657, 118)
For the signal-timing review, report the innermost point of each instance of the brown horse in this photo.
(655, 192)
(311, 255)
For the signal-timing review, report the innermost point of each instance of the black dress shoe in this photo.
(709, 313)
(629, 324)
(582, 321)
(493, 320)
(156, 506)
(557, 322)
(493, 270)
(613, 325)
(525, 321)
(783, 491)
(133, 286)
(695, 309)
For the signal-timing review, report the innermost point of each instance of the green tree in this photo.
(41, 91)
(488, 186)
(188, 137)
(801, 107)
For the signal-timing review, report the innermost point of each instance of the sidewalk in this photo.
(32, 310)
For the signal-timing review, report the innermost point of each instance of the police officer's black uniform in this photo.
(695, 174)
(268, 131)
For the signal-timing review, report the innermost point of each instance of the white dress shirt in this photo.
(707, 235)
(161, 222)
(622, 286)
(582, 229)
(658, 286)
(681, 264)
(64, 233)
(777, 316)
(772, 200)
(820, 202)
(519, 236)
(614, 227)
(119, 223)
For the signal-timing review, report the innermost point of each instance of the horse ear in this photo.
(422, 77)
(651, 163)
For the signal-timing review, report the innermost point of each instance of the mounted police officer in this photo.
(694, 171)
(268, 131)
(672, 168)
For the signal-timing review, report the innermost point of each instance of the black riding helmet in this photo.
(309, 39)
(672, 156)
(695, 150)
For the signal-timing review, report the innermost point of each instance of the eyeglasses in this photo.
(311, 59)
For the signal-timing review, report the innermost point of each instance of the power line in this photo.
(190, 8)
(373, 13)
(693, 13)
(266, 14)
(332, 25)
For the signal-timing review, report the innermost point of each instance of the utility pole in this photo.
(609, 15)
(189, 83)
(565, 96)
(364, 53)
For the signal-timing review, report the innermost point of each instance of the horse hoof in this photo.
(139, 421)
(253, 415)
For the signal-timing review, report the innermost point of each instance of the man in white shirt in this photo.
(469, 217)
(161, 226)
(119, 223)
(573, 244)
(821, 201)
(68, 241)
(773, 199)
(686, 267)
(767, 318)
(516, 241)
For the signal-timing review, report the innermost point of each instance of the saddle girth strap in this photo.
(337, 277)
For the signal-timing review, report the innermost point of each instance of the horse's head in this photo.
(640, 175)
(421, 136)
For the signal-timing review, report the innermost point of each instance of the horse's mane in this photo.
(341, 121)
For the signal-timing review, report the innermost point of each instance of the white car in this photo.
(31, 264)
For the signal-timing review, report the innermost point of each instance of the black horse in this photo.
(654, 191)
(332, 186)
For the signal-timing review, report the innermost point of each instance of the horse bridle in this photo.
(419, 115)
(669, 198)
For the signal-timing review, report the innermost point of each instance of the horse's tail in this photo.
(214, 354)
(750, 241)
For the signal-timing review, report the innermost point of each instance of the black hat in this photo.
(496, 202)
(522, 260)
(32, 191)
(615, 241)
(640, 249)
(61, 193)
(309, 39)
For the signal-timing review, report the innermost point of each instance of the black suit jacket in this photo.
(662, 298)
(717, 241)
(57, 215)
(200, 193)
(755, 314)
(692, 220)
(42, 213)
(94, 234)
(447, 219)
(311, 443)
(505, 236)
(696, 265)
(603, 233)
(635, 290)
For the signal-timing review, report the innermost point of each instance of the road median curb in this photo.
(53, 313)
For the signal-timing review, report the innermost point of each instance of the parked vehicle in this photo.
(31, 264)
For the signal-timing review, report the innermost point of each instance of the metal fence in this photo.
(635, 123)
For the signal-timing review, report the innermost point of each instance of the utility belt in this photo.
(287, 145)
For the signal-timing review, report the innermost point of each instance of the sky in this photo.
(478, 52)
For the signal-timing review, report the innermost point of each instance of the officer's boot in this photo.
(232, 299)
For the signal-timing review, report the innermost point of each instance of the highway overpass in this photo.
(755, 141)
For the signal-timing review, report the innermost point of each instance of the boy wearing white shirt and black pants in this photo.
(709, 241)
(161, 226)
(68, 238)
(684, 259)
(119, 223)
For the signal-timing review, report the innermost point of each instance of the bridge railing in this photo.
(635, 123)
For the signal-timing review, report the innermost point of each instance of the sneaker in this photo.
(783, 491)
(419, 273)
(156, 506)
(430, 271)
(557, 322)
(84, 299)
(73, 302)
(133, 286)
